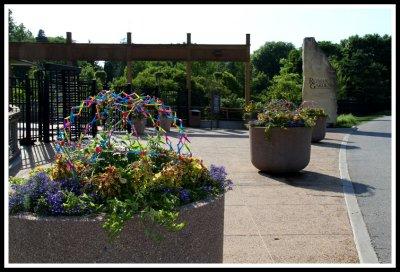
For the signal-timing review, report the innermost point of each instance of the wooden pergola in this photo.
(129, 52)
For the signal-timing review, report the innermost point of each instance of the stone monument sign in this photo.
(319, 80)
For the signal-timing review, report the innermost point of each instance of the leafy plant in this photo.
(312, 112)
(281, 114)
(346, 120)
(121, 177)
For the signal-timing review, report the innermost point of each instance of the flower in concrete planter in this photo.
(280, 139)
(251, 111)
(281, 114)
(319, 116)
(313, 112)
(120, 177)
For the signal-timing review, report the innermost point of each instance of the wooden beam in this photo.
(128, 52)
(69, 38)
(247, 65)
(69, 41)
(129, 63)
(189, 73)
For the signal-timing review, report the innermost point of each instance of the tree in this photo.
(101, 75)
(87, 71)
(286, 86)
(331, 50)
(41, 37)
(259, 83)
(364, 72)
(18, 33)
(57, 39)
(293, 63)
(266, 59)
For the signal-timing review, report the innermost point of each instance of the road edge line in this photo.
(366, 253)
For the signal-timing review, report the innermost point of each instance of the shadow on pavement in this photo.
(356, 131)
(372, 134)
(32, 156)
(334, 145)
(318, 182)
(211, 133)
(340, 130)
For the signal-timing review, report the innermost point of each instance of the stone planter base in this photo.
(287, 150)
(165, 123)
(82, 239)
(319, 130)
(140, 125)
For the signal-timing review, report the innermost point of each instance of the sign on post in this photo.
(215, 106)
(216, 103)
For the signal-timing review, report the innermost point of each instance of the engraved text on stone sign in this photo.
(319, 83)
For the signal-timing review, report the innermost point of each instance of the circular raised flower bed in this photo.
(119, 200)
(283, 150)
(319, 130)
(72, 239)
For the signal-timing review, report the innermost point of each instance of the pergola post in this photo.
(247, 73)
(189, 74)
(69, 41)
(129, 63)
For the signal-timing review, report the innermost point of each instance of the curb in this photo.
(366, 253)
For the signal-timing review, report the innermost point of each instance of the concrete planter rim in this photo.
(101, 216)
(278, 127)
(82, 239)
(284, 150)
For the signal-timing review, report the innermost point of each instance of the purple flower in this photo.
(167, 191)
(26, 196)
(228, 184)
(184, 195)
(71, 185)
(55, 201)
(207, 188)
(218, 173)
(16, 203)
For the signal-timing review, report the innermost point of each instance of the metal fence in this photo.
(45, 102)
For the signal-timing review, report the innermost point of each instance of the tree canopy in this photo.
(362, 64)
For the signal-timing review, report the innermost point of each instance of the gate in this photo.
(66, 90)
(26, 94)
(45, 102)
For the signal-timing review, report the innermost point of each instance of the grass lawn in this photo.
(349, 120)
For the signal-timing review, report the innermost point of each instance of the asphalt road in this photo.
(369, 164)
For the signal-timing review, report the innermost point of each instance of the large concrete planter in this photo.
(286, 150)
(140, 125)
(14, 115)
(319, 130)
(82, 239)
(165, 123)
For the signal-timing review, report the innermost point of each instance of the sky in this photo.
(209, 24)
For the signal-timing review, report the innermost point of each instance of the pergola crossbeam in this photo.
(127, 52)
(188, 52)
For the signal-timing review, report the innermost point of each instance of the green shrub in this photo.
(17, 180)
(346, 120)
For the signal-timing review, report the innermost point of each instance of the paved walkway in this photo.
(370, 166)
(301, 218)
